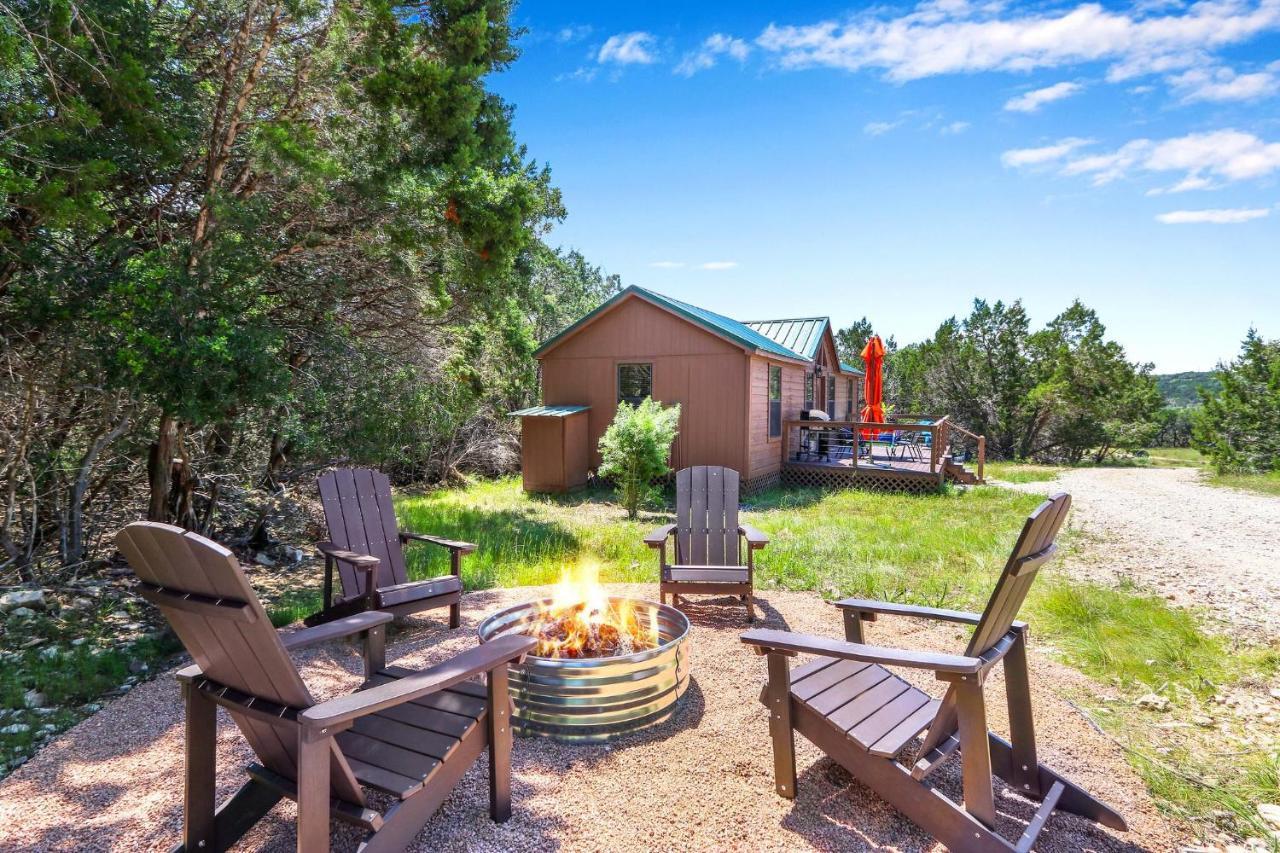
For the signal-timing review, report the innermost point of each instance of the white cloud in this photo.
(1224, 84)
(1218, 216)
(570, 34)
(955, 127)
(667, 265)
(628, 49)
(879, 128)
(585, 74)
(960, 37)
(1045, 154)
(1206, 160)
(715, 46)
(718, 265)
(1030, 102)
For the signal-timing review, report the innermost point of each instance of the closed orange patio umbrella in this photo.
(873, 384)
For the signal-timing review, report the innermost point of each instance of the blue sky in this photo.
(896, 161)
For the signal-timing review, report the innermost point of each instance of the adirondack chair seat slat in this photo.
(404, 593)
(721, 574)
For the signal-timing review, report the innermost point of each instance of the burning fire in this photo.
(581, 621)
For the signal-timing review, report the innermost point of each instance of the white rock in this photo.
(1154, 702)
(49, 653)
(34, 699)
(264, 560)
(23, 598)
(1270, 812)
(15, 729)
(294, 555)
(22, 612)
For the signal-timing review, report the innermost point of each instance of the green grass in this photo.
(1263, 484)
(934, 549)
(1022, 472)
(1175, 457)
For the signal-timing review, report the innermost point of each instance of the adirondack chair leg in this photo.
(778, 693)
(375, 651)
(499, 723)
(313, 791)
(975, 753)
(201, 769)
(1024, 773)
(852, 625)
(455, 566)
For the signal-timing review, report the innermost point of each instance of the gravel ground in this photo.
(1166, 531)
(702, 780)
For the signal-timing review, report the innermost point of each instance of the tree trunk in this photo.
(74, 535)
(158, 463)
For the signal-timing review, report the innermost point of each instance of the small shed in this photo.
(554, 446)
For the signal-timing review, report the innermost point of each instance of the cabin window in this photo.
(831, 397)
(808, 391)
(775, 401)
(635, 382)
(848, 403)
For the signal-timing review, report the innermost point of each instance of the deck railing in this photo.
(838, 441)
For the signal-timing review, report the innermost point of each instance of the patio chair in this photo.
(368, 549)
(864, 717)
(709, 540)
(910, 443)
(408, 734)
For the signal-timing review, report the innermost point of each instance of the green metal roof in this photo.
(849, 368)
(803, 335)
(738, 332)
(547, 411)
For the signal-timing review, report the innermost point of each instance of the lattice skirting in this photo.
(862, 478)
(756, 485)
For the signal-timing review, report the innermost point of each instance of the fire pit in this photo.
(603, 666)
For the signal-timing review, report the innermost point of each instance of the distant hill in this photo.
(1179, 389)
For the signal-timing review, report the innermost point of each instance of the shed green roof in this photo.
(803, 335)
(740, 333)
(547, 411)
(849, 368)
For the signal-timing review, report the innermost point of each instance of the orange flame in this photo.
(581, 621)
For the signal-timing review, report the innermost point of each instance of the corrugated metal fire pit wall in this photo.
(594, 699)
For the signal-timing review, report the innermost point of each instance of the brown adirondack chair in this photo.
(407, 734)
(708, 556)
(864, 717)
(368, 549)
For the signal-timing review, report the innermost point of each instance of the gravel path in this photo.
(1166, 531)
(701, 781)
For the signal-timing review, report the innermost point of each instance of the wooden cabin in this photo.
(738, 383)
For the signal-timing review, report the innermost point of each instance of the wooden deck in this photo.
(883, 469)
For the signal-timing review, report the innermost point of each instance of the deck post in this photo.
(982, 457)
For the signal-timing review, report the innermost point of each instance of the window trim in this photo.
(831, 397)
(849, 402)
(617, 380)
(770, 401)
(809, 391)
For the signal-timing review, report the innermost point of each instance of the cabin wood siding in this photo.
(706, 374)
(765, 453)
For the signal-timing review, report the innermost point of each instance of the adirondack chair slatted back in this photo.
(1035, 546)
(707, 516)
(360, 518)
(201, 590)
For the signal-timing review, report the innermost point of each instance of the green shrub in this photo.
(635, 448)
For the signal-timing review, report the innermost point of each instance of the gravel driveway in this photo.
(1167, 532)
(701, 781)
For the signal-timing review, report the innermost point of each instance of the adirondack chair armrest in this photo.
(482, 658)
(451, 544)
(766, 640)
(755, 539)
(306, 637)
(868, 610)
(358, 560)
(657, 538)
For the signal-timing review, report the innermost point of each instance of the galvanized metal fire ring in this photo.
(595, 699)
